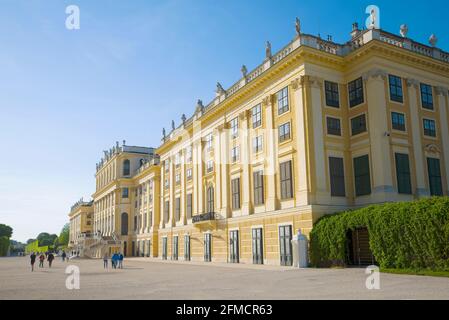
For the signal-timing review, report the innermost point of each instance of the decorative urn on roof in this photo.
(403, 30)
(433, 40)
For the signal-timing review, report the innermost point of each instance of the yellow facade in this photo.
(316, 128)
(81, 217)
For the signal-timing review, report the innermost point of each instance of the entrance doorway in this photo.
(358, 250)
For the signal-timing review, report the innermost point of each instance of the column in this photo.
(162, 195)
(301, 186)
(320, 162)
(271, 202)
(421, 186)
(224, 154)
(245, 148)
(442, 94)
(380, 161)
(218, 164)
(171, 215)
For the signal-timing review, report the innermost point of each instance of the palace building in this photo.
(317, 128)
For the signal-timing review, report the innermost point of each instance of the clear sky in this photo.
(133, 67)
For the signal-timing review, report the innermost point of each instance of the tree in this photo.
(5, 231)
(46, 239)
(56, 243)
(64, 236)
(31, 241)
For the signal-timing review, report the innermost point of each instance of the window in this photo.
(434, 171)
(282, 101)
(429, 128)
(332, 96)
(284, 132)
(355, 89)
(235, 154)
(235, 190)
(337, 177)
(189, 174)
(178, 209)
(126, 167)
(135, 223)
(333, 126)
(256, 115)
(257, 144)
(234, 127)
(167, 165)
(124, 224)
(403, 173)
(166, 211)
(189, 154)
(209, 140)
(178, 160)
(210, 166)
(426, 96)
(358, 125)
(396, 93)
(286, 180)
(362, 176)
(258, 188)
(166, 183)
(210, 200)
(398, 121)
(189, 206)
(178, 178)
(125, 193)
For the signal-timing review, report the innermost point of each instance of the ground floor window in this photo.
(234, 246)
(175, 248)
(285, 245)
(207, 247)
(187, 248)
(434, 171)
(257, 245)
(164, 248)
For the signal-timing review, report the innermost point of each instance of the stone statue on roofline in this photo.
(199, 106)
(244, 71)
(220, 89)
(268, 54)
(173, 124)
(298, 27)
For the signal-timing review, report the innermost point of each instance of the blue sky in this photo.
(133, 67)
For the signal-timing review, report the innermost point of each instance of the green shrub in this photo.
(411, 235)
(4, 246)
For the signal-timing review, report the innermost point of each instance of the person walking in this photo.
(105, 260)
(114, 261)
(50, 259)
(41, 260)
(63, 255)
(120, 260)
(32, 260)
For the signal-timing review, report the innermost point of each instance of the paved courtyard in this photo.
(154, 279)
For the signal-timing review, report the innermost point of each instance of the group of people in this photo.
(116, 260)
(42, 256)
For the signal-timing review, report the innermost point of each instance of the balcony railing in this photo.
(203, 217)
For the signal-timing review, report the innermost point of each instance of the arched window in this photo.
(126, 168)
(210, 199)
(124, 224)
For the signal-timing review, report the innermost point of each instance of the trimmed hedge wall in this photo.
(411, 235)
(4, 246)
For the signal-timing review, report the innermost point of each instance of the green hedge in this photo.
(411, 235)
(4, 246)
